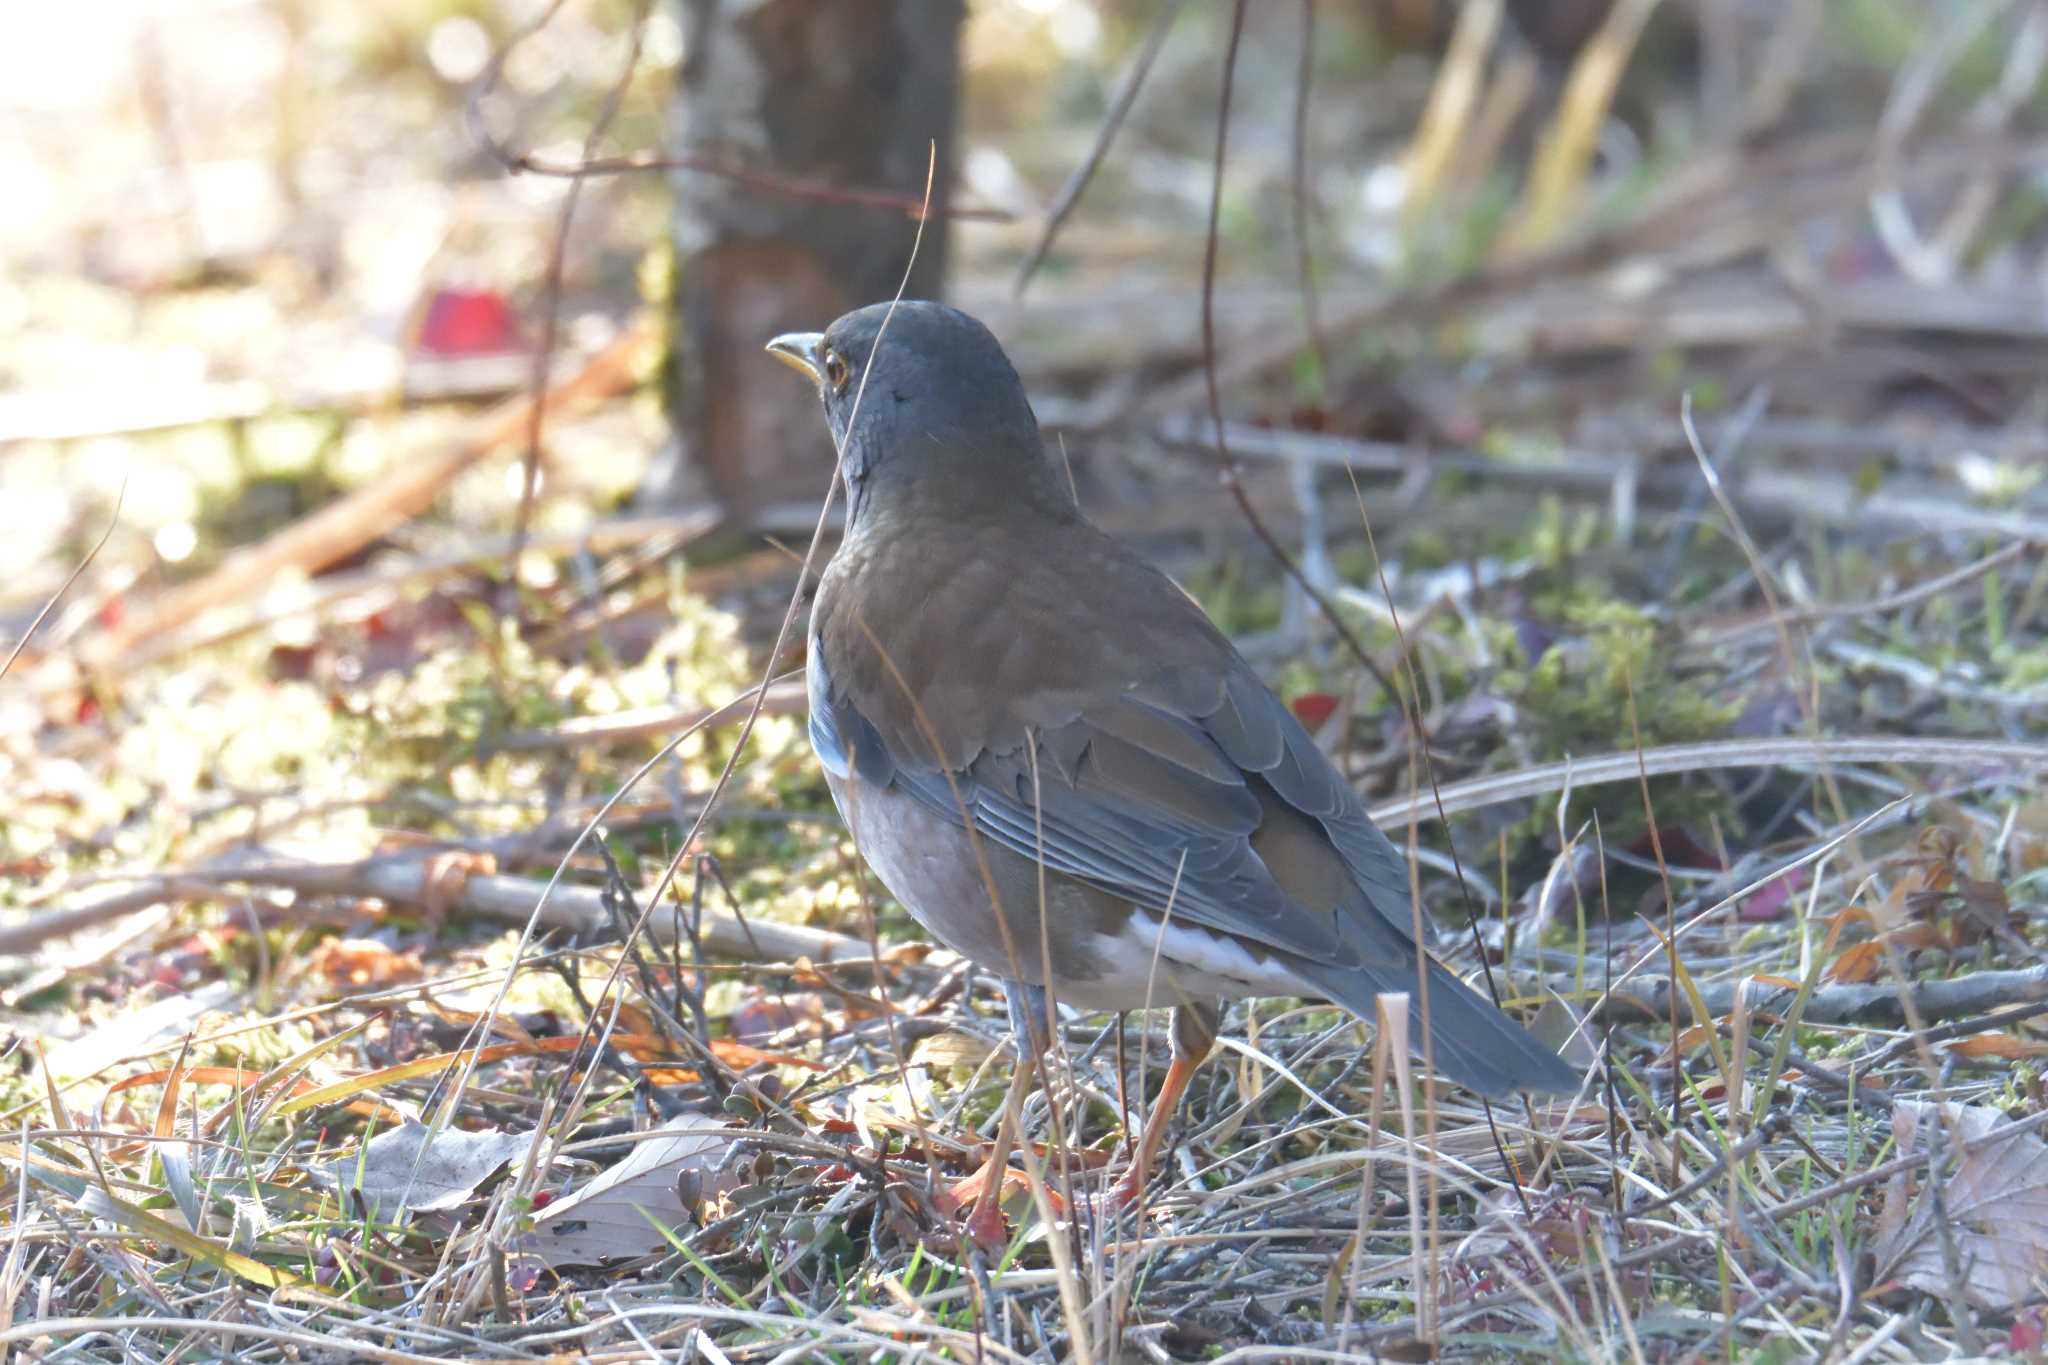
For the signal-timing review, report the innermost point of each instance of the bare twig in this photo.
(1112, 122)
(1908, 503)
(517, 162)
(551, 306)
(1881, 1005)
(113, 520)
(1876, 606)
(1226, 464)
(1304, 254)
(1479, 792)
(410, 879)
(783, 697)
(346, 525)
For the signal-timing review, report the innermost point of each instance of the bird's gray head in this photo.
(924, 408)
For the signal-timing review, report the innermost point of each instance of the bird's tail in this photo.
(1470, 1041)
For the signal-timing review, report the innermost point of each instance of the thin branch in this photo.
(1226, 463)
(551, 304)
(415, 879)
(1304, 256)
(1495, 789)
(521, 162)
(1112, 123)
(113, 520)
(1872, 1005)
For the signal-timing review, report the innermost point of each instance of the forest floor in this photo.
(428, 935)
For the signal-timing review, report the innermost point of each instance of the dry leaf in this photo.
(1994, 1208)
(624, 1212)
(950, 1049)
(413, 1168)
(354, 964)
(1861, 961)
(1999, 1045)
(448, 874)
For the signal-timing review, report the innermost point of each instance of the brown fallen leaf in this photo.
(2002, 1045)
(355, 964)
(1993, 1209)
(448, 873)
(1860, 962)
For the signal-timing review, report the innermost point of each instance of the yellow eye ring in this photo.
(836, 371)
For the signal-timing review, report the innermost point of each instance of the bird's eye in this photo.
(836, 371)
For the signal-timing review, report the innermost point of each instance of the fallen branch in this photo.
(1882, 1005)
(411, 879)
(1914, 504)
(370, 589)
(345, 526)
(1495, 788)
(89, 410)
(784, 698)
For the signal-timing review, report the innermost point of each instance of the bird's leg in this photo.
(1194, 1034)
(1033, 1037)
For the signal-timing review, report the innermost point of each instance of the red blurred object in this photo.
(1314, 708)
(2025, 1338)
(1774, 896)
(469, 322)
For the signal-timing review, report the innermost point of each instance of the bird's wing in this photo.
(1147, 759)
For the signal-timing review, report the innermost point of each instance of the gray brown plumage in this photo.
(1014, 710)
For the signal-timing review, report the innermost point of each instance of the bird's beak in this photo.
(802, 351)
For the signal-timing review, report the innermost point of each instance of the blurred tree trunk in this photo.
(848, 93)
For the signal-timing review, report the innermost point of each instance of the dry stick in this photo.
(1687, 217)
(383, 583)
(411, 879)
(1472, 794)
(346, 525)
(1479, 792)
(1010, 1125)
(1112, 123)
(783, 696)
(718, 787)
(766, 182)
(1226, 463)
(1606, 993)
(113, 520)
(551, 305)
(1919, 79)
(1565, 148)
(1421, 747)
(1895, 601)
(1304, 261)
(1446, 114)
(1867, 1005)
(1368, 1179)
(1917, 505)
(1808, 704)
(609, 989)
(1065, 1250)
(1670, 914)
